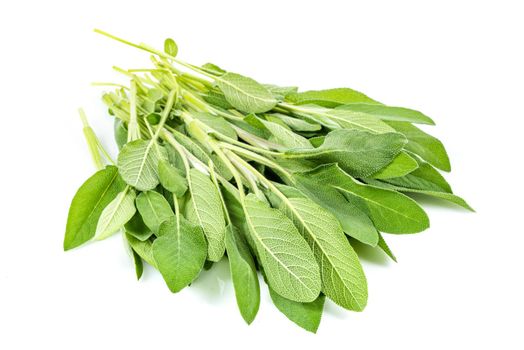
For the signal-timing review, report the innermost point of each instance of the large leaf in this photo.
(402, 165)
(388, 113)
(88, 203)
(330, 97)
(243, 274)
(286, 257)
(179, 252)
(426, 146)
(305, 315)
(205, 210)
(245, 93)
(358, 152)
(116, 214)
(343, 279)
(138, 164)
(154, 209)
(390, 211)
(354, 221)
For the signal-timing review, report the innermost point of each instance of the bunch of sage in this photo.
(214, 164)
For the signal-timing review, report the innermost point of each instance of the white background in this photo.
(458, 285)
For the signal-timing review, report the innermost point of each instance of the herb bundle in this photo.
(213, 163)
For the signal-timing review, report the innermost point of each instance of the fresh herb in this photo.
(213, 163)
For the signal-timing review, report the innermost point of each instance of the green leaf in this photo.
(171, 179)
(213, 69)
(358, 152)
(205, 210)
(329, 98)
(382, 112)
(179, 252)
(120, 133)
(343, 279)
(245, 93)
(217, 99)
(170, 47)
(138, 164)
(305, 315)
(450, 197)
(385, 248)
(390, 211)
(116, 214)
(353, 220)
(154, 209)
(286, 257)
(425, 177)
(87, 205)
(280, 92)
(285, 137)
(295, 123)
(137, 228)
(216, 123)
(402, 165)
(142, 248)
(424, 145)
(139, 266)
(243, 274)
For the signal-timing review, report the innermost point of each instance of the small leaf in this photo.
(285, 137)
(295, 123)
(305, 315)
(245, 93)
(243, 274)
(154, 209)
(116, 214)
(216, 123)
(385, 248)
(88, 203)
(179, 252)
(171, 179)
(120, 133)
(213, 69)
(280, 92)
(289, 264)
(425, 177)
(357, 152)
(170, 47)
(142, 248)
(329, 98)
(138, 164)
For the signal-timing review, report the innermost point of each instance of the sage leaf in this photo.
(305, 315)
(179, 252)
(138, 164)
(359, 153)
(116, 214)
(343, 279)
(295, 123)
(142, 248)
(154, 209)
(245, 93)
(170, 47)
(285, 137)
(88, 203)
(425, 177)
(286, 257)
(243, 274)
(385, 248)
(137, 228)
(424, 145)
(390, 211)
(329, 98)
(171, 179)
(205, 210)
(382, 112)
(402, 165)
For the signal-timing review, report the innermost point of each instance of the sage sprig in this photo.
(282, 182)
